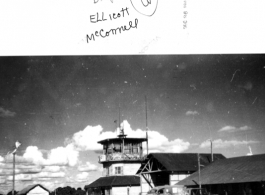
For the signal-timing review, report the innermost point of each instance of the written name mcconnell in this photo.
(102, 33)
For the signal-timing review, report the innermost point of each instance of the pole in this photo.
(211, 150)
(199, 170)
(146, 125)
(14, 162)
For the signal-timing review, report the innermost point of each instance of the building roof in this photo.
(114, 181)
(29, 188)
(232, 170)
(180, 161)
(127, 139)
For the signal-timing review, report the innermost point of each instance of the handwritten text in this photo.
(101, 33)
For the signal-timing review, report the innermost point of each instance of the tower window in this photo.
(118, 171)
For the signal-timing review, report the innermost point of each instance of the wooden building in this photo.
(169, 168)
(121, 158)
(240, 175)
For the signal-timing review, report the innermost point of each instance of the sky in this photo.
(59, 107)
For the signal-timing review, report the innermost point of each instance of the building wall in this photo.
(127, 169)
(38, 191)
(165, 178)
(144, 186)
(131, 169)
(175, 178)
(126, 190)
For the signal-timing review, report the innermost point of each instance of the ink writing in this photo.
(145, 7)
(101, 18)
(185, 15)
(102, 33)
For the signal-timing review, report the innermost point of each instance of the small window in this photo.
(118, 171)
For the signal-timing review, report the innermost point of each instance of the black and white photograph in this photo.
(129, 124)
(132, 97)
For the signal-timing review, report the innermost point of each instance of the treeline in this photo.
(68, 191)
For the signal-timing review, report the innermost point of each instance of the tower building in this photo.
(121, 158)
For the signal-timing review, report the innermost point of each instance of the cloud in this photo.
(58, 156)
(52, 169)
(34, 166)
(244, 128)
(192, 113)
(227, 128)
(219, 143)
(2, 180)
(156, 141)
(87, 139)
(49, 175)
(6, 113)
(88, 167)
(81, 177)
(63, 156)
(232, 129)
(21, 177)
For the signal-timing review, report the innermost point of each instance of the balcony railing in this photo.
(119, 157)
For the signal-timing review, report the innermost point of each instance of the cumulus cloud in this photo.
(36, 166)
(58, 156)
(49, 175)
(63, 156)
(88, 167)
(232, 129)
(156, 141)
(6, 113)
(87, 139)
(81, 177)
(192, 113)
(219, 143)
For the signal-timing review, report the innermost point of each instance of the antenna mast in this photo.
(119, 117)
(146, 125)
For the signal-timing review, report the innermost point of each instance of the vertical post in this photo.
(199, 170)
(146, 125)
(14, 162)
(211, 150)
(122, 145)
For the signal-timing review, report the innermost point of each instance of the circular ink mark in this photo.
(145, 7)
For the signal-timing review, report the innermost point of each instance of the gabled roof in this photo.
(115, 181)
(29, 188)
(180, 161)
(232, 170)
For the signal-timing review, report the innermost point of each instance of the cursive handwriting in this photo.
(100, 17)
(103, 34)
(145, 7)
